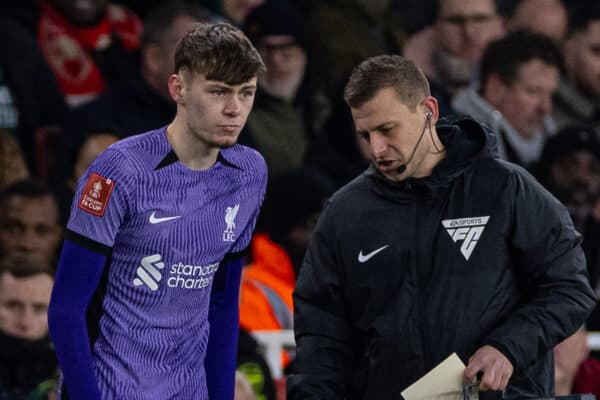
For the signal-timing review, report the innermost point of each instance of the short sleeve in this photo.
(102, 200)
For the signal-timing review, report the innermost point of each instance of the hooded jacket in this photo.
(399, 275)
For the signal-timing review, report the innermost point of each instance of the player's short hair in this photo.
(397, 72)
(220, 52)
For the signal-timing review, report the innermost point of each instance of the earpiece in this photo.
(428, 115)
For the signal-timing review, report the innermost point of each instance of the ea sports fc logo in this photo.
(466, 230)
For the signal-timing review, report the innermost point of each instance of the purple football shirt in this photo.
(168, 228)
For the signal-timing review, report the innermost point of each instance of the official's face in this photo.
(392, 130)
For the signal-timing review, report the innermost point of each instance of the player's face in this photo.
(216, 112)
(29, 227)
(24, 305)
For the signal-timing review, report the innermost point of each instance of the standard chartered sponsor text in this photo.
(185, 276)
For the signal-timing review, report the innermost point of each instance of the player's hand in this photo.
(494, 365)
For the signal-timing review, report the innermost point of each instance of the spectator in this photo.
(233, 11)
(291, 209)
(340, 33)
(29, 222)
(568, 357)
(577, 99)
(243, 389)
(141, 102)
(252, 363)
(92, 146)
(12, 162)
(552, 21)
(449, 50)
(279, 126)
(87, 44)
(236, 11)
(587, 379)
(30, 98)
(570, 170)
(519, 74)
(338, 151)
(26, 355)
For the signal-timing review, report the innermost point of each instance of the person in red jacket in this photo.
(87, 46)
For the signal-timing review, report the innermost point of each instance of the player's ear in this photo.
(176, 88)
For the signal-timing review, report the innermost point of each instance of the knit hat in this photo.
(275, 17)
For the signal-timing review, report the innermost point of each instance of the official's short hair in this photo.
(397, 72)
(504, 56)
(219, 51)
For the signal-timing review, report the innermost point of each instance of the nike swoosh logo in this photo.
(157, 220)
(366, 257)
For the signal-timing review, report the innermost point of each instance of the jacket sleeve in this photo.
(550, 266)
(323, 362)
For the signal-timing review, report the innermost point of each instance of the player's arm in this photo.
(551, 269)
(223, 316)
(324, 338)
(80, 269)
(99, 207)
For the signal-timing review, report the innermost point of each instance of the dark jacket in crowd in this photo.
(24, 365)
(399, 275)
(127, 108)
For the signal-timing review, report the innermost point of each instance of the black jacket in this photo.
(477, 253)
(23, 365)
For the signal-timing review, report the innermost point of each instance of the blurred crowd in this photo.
(78, 75)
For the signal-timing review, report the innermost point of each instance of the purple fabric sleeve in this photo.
(79, 272)
(223, 316)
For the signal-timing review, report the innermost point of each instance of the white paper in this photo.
(444, 382)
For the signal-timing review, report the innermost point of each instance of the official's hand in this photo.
(496, 368)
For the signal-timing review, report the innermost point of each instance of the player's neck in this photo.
(191, 152)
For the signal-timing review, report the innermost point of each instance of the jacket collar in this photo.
(466, 142)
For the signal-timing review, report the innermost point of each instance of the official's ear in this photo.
(431, 110)
(176, 88)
